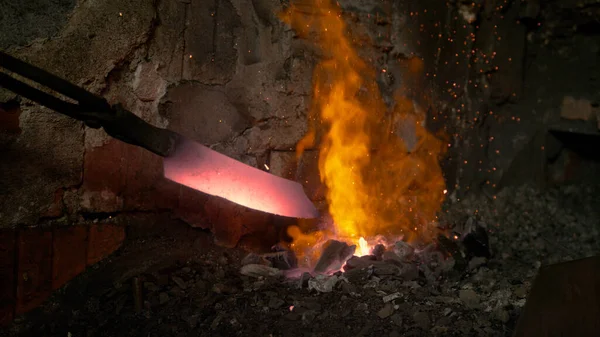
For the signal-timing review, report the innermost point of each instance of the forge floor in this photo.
(190, 287)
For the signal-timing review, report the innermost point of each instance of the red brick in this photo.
(191, 207)
(229, 221)
(9, 118)
(166, 193)
(34, 270)
(69, 254)
(103, 240)
(226, 220)
(146, 188)
(103, 167)
(56, 208)
(120, 176)
(104, 177)
(7, 275)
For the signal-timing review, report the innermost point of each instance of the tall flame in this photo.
(378, 183)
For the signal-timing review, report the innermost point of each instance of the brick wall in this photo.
(35, 261)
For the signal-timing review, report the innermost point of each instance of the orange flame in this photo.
(378, 182)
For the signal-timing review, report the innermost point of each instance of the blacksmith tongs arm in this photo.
(93, 110)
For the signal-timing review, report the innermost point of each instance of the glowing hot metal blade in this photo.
(203, 169)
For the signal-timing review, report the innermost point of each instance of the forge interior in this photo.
(451, 148)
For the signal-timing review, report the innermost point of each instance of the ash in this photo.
(474, 281)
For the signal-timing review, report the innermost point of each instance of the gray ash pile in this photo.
(473, 280)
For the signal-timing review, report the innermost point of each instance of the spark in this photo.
(267, 167)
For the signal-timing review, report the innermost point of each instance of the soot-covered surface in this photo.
(192, 288)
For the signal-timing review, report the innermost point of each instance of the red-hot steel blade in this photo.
(196, 166)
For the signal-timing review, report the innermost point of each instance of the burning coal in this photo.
(382, 182)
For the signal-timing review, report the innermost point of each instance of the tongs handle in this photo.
(93, 110)
(87, 100)
(39, 96)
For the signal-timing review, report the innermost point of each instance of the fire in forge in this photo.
(299, 168)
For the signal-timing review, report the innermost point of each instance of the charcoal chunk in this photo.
(335, 254)
(282, 259)
(378, 251)
(361, 262)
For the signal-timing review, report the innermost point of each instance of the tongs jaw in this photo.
(91, 109)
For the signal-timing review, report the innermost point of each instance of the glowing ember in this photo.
(380, 164)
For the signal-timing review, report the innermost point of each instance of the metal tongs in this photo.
(93, 110)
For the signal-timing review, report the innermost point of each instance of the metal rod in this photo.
(93, 110)
(88, 100)
(36, 95)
